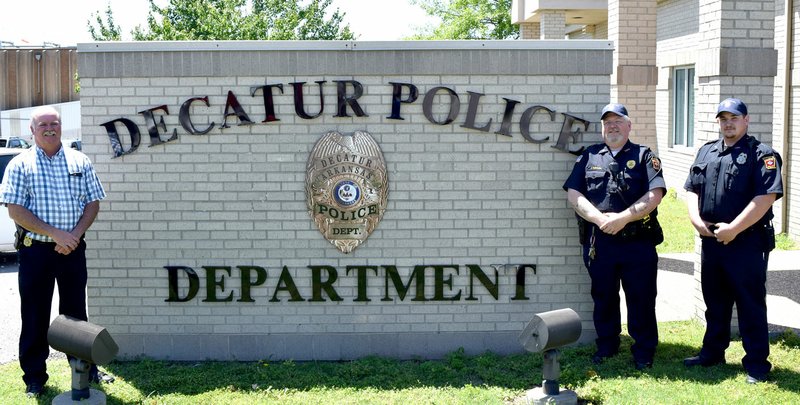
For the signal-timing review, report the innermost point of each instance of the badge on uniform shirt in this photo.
(656, 163)
(770, 163)
(630, 164)
(741, 158)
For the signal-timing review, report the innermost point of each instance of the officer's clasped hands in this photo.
(614, 222)
(724, 232)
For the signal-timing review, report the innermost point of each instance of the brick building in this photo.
(679, 58)
(675, 60)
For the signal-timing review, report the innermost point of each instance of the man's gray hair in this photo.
(45, 109)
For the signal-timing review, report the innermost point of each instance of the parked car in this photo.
(7, 226)
(14, 142)
(72, 143)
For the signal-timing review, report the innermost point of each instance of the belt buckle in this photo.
(27, 242)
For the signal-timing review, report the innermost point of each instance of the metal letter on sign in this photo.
(347, 187)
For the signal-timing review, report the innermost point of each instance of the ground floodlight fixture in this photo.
(546, 333)
(85, 343)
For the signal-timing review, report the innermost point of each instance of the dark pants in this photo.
(736, 273)
(40, 267)
(634, 264)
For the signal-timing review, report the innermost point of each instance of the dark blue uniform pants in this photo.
(736, 273)
(634, 264)
(40, 267)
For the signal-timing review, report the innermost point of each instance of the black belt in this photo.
(28, 242)
(39, 242)
(758, 227)
(633, 229)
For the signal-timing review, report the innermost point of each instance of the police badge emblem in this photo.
(347, 187)
(741, 159)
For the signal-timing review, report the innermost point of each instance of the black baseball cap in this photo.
(733, 106)
(615, 108)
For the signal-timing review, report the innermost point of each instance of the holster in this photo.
(769, 237)
(652, 230)
(584, 230)
(19, 237)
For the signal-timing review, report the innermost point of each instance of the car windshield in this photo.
(4, 159)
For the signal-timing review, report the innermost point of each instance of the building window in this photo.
(683, 107)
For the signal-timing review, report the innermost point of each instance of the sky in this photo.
(33, 22)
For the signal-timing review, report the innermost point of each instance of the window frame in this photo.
(683, 96)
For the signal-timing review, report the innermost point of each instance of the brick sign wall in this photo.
(205, 247)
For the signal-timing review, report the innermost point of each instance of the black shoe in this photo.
(33, 390)
(755, 379)
(599, 357)
(641, 365)
(699, 361)
(101, 378)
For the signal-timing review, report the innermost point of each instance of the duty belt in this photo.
(28, 242)
(634, 229)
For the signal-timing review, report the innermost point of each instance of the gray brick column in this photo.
(632, 27)
(553, 24)
(736, 58)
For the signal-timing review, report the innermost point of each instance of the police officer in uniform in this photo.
(614, 189)
(731, 188)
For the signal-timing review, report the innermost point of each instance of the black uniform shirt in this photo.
(614, 190)
(727, 179)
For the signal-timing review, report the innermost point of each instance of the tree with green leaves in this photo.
(105, 31)
(468, 19)
(183, 20)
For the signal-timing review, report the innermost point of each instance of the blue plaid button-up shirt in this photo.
(55, 189)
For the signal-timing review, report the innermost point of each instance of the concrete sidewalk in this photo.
(676, 289)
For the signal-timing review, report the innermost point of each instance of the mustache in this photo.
(49, 133)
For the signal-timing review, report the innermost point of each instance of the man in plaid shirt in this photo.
(53, 193)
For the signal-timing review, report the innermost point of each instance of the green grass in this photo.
(679, 232)
(457, 379)
(784, 242)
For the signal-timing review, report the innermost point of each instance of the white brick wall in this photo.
(553, 24)
(236, 197)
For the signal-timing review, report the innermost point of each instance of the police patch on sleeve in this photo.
(656, 163)
(770, 163)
